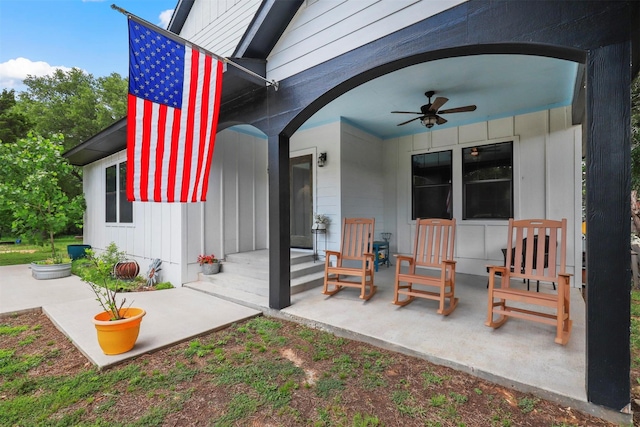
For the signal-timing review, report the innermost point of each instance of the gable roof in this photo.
(260, 37)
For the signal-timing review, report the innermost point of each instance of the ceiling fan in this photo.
(429, 112)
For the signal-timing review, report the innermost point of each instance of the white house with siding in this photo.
(342, 67)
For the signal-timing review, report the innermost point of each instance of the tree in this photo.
(76, 105)
(30, 173)
(73, 103)
(13, 124)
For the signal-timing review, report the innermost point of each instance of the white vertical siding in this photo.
(362, 176)
(324, 29)
(534, 129)
(326, 191)
(547, 152)
(153, 233)
(219, 25)
(234, 217)
(389, 193)
(235, 213)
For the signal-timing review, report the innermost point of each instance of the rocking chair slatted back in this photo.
(434, 241)
(537, 264)
(357, 237)
(433, 250)
(356, 245)
(526, 259)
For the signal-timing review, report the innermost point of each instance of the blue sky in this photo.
(37, 36)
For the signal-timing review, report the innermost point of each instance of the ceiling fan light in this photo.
(429, 121)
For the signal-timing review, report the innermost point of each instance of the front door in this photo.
(300, 171)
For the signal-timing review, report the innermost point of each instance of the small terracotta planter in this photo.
(118, 336)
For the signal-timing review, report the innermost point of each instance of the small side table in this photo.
(381, 248)
(316, 255)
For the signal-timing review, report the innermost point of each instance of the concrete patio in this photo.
(173, 315)
(521, 354)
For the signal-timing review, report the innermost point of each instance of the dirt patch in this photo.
(265, 372)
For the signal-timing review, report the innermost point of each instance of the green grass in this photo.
(407, 404)
(15, 254)
(328, 386)
(527, 404)
(246, 377)
(430, 379)
(8, 330)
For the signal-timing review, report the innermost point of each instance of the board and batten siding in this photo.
(219, 25)
(154, 232)
(233, 219)
(547, 175)
(351, 182)
(362, 189)
(326, 180)
(235, 215)
(324, 29)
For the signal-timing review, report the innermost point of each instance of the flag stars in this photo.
(156, 66)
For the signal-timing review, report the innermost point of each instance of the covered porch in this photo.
(520, 354)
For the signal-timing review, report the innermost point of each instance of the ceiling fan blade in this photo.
(440, 120)
(408, 121)
(439, 102)
(406, 112)
(458, 110)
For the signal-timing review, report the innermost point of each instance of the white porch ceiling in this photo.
(499, 85)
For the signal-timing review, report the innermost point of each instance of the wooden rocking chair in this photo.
(501, 298)
(433, 250)
(354, 259)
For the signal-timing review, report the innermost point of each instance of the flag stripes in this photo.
(170, 139)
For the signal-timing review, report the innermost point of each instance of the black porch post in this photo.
(279, 213)
(608, 211)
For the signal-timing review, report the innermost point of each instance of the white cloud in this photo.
(14, 71)
(165, 18)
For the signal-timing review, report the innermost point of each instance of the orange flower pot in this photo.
(118, 336)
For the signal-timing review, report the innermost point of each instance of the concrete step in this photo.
(306, 268)
(261, 257)
(261, 286)
(249, 272)
(309, 281)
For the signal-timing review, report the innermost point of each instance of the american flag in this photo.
(173, 106)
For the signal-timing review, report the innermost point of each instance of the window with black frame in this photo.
(117, 208)
(487, 181)
(431, 185)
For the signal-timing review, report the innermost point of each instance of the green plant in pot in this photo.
(320, 221)
(117, 325)
(32, 172)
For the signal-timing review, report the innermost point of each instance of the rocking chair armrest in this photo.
(449, 261)
(336, 253)
(401, 258)
(367, 255)
(498, 269)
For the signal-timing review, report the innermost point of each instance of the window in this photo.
(431, 186)
(117, 207)
(487, 181)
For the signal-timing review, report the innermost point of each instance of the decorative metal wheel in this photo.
(152, 272)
